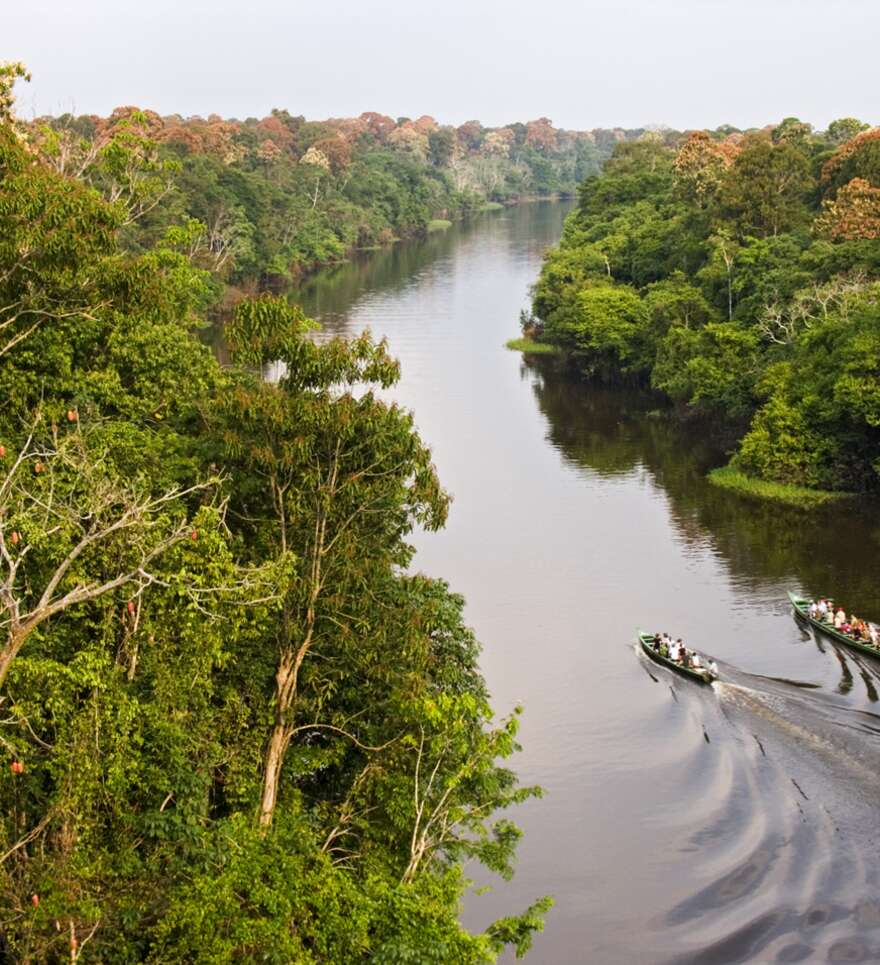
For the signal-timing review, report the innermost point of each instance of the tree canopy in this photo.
(739, 273)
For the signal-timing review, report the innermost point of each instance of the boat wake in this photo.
(785, 818)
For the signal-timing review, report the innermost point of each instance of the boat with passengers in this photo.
(803, 608)
(657, 650)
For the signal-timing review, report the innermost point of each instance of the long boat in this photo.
(700, 676)
(801, 608)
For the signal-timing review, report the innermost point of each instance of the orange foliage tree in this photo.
(700, 164)
(858, 157)
(540, 134)
(853, 215)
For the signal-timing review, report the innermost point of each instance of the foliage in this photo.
(233, 727)
(800, 497)
(280, 196)
(737, 273)
(529, 346)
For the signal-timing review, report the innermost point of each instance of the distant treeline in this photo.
(738, 274)
(281, 195)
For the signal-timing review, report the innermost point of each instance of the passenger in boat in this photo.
(822, 609)
(839, 618)
(674, 652)
(813, 610)
(713, 668)
(696, 663)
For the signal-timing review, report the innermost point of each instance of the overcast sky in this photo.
(593, 63)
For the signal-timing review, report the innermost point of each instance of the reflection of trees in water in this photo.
(330, 294)
(617, 431)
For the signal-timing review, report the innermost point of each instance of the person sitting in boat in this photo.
(713, 668)
(682, 652)
(839, 618)
(674, 652)
(696, 663)
(822, 608)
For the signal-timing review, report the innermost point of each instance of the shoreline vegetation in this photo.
(732, 479)
(528, 346)
(738, 273)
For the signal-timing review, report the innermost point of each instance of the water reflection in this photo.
(619, 431)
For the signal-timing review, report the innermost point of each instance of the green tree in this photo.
(765, 191)
(845, 128)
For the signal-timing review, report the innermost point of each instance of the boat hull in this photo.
(799, 605)
(698, 676)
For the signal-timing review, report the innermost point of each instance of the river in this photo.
(733, 823)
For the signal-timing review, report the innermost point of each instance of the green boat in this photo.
(801, 608)
(701, 676)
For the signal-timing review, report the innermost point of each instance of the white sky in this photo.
(593, 63)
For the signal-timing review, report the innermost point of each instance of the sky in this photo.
(587, 64)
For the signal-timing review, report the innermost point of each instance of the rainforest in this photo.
(737, 273)
(234, 725)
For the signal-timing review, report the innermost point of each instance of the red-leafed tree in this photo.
(379, 125)
(470, 135)
(540, 134)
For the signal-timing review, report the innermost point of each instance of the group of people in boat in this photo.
(677, 652)
(824, 611)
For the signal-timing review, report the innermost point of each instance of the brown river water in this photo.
(686, 824)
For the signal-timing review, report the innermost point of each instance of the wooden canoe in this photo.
(701, 676)
(801, 608)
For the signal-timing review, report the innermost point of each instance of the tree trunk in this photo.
(8, 653)
(275, 751)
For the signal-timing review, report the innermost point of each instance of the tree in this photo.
(441, 144)
(792, 131)
(853, 214)
(845, 129)
(345, 478)
(10, 72)
(604, 324)
(541, 135)
(765, 189)
(701, 163)
(857, 158)
(56, 501)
